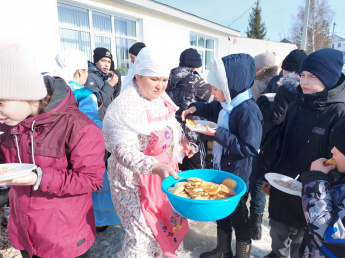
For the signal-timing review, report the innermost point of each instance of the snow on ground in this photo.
(200, 238)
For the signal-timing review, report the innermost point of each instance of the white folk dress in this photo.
(127, 134)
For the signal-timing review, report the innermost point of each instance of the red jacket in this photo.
(57, 220)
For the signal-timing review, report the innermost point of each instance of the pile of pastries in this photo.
(198, 189)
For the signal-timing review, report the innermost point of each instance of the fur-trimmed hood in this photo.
(290, 82)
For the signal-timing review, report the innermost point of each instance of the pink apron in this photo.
(168, 227)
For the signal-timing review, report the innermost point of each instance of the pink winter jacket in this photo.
(57, 220)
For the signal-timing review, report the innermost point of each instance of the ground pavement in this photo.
(200, 238)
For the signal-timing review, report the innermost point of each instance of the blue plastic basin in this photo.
(204, 210)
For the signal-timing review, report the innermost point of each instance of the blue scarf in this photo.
(223, 122)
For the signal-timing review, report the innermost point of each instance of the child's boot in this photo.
(255, 221)
(223, 249)
(242, 249)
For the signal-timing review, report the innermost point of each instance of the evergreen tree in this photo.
(256, 29)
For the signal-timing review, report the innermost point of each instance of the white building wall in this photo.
(342, 45)
(35, 24)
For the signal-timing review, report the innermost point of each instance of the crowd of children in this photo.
(55, 122)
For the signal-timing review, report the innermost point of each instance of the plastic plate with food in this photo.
(199, 126)
(10, 171)
(284, 183)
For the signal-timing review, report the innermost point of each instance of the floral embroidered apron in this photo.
(168, 227)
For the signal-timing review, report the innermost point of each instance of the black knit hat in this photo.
(190, 58)
(337, 136)
(101, 52)
(326, 64)
(135, 49)
(293, 61)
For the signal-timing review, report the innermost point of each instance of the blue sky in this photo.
(277, 14)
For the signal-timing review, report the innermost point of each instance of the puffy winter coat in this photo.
(273, 116)
(303, 139)
(324, 210)
(57, 220)
(97, 81)
(260, 84)
(241, 142)
(186, 86)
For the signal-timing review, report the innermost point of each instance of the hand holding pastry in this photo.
(190, 110)
(320, 165)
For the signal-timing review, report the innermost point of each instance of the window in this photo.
(205, 47)
(339, 44)
(85, 29)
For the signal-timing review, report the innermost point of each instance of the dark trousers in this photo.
(195, 162)
(237, 220)
(258, 197)
(25, 254)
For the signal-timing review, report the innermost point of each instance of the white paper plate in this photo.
(203, 123)
(274, 176)
(270, 96)
(23, 169)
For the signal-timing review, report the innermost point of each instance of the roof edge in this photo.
(173, 12)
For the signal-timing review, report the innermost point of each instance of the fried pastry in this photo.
(211, 188)
(230, 183)
(331, 162)
(190, 122)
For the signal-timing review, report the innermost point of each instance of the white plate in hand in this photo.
(270, 96)
(284, 183)
(22, 169)
(200, 126)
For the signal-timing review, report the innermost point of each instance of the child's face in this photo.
(218, 94)
(104, 64)
(339, 158)
(310, 83)
(13, 112)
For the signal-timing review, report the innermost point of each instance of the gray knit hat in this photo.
(264, 60)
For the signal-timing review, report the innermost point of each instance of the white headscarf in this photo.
(68, 62)
(126, 116)
(147, 63)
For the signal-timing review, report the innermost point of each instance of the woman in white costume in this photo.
(146, 143)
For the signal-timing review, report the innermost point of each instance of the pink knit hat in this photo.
(20, 78)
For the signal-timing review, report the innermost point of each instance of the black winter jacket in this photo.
(304, 138)
(98, 81)
(186, 86)
(273, 116)
(241, 142)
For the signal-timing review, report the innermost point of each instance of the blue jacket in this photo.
(242, 141)
(87, 101)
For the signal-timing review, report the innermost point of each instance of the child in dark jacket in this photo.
(236, 139)
(103, 79)
(51, 213)
(304, 137)
(273, 113)
(323, 205)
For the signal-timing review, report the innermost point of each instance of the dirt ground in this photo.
(200, 238)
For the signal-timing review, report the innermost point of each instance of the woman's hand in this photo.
(164, 171)
(29, 179)
(190, 110)
(188, 151)
(319, 165)
(266, 187)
